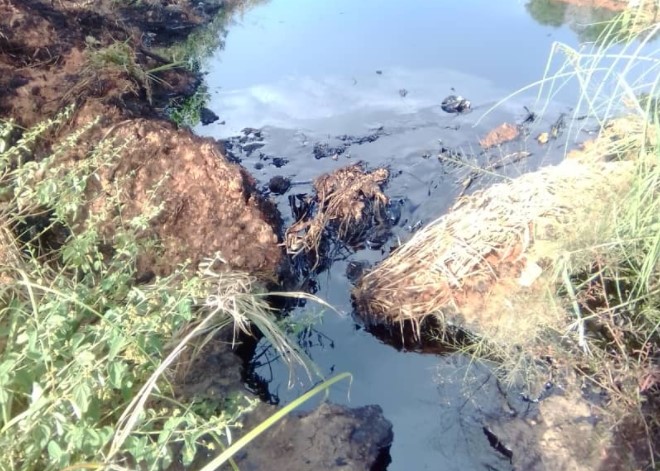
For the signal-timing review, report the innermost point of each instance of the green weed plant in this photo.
(87, 355)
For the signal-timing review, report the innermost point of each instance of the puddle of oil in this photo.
(424, 396)
(307, 72)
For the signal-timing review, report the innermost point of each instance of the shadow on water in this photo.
(309, 74)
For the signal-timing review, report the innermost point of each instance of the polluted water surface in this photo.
(304, 88)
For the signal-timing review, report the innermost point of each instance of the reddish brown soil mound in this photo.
(208, 204)
(94, 55)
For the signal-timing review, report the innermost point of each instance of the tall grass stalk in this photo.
(612, 277)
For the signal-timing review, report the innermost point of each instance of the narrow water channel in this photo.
(308, 72)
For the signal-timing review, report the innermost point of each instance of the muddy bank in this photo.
(491, 276)
(613, 5)
(593, 20)
(328, 437)
(101, 58)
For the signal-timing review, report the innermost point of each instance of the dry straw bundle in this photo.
(486, 239)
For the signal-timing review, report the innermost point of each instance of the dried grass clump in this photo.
(642, 16)
(345, 201)
(486, 239)
(619, 139)
(10, 255)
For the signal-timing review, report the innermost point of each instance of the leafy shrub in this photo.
(86, 355)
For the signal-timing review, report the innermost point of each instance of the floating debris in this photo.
(323, 150)
(502, 134)
(206, 116)
(349, 204)
(279, 185)
(543, 138)
(355, 269)
(456, 104)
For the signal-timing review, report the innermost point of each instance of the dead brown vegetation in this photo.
(490, 241)
(346, 201)
(55, 53)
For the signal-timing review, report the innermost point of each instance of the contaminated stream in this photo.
(368, 78)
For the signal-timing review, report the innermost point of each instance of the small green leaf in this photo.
(40, 435)
(82, 394)
(189, 451)
(55, 452)
(116, 372)
(117, 343)
(166, 458)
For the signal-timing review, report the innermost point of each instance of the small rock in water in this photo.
(355, 269)
(279, 185)
(206, 116)
(456, 104)
(279, 162)
(250, 147)
(379, 72)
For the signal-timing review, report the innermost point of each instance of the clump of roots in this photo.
(346, 204)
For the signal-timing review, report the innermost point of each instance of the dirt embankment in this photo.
(493, 274)
(100, 57)
(186, 198)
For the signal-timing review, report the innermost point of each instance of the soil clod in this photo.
(206, 116)
(279, 185)
(503, 133)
